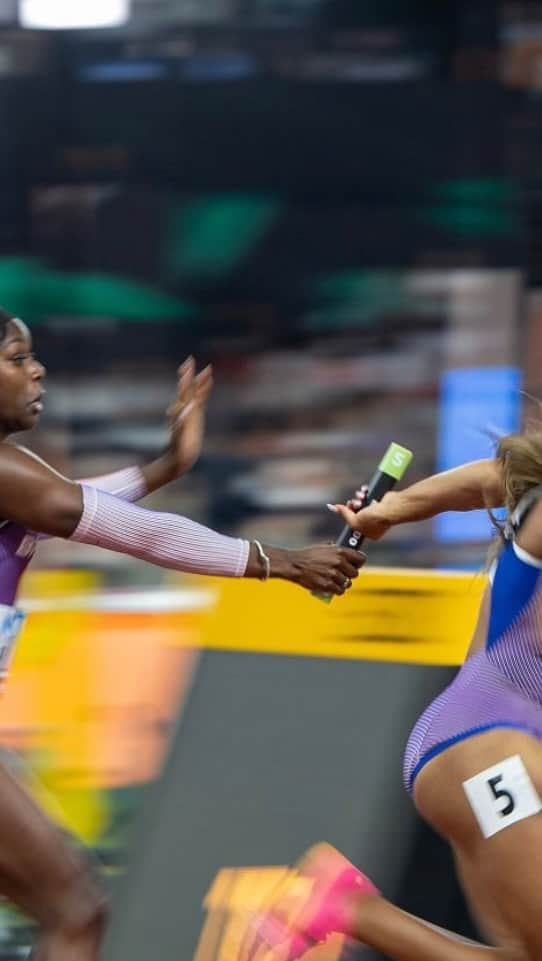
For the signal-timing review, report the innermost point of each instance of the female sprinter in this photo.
(473, 762)
(38, 869)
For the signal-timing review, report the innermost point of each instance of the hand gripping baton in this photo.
(390, 470)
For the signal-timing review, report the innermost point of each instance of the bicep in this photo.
(35, 496)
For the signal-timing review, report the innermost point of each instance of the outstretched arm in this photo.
(469, 487)
(40, 499)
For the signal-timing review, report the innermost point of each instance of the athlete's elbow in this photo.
(61, 510)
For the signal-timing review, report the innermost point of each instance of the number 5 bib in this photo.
(502, 795)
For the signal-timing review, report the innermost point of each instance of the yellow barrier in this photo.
(414, 616)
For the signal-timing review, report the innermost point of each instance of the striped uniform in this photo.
(500, 686)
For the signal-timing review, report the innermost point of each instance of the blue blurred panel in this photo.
(475, 405)
(123, 71)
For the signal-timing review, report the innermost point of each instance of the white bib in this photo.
(11, 622)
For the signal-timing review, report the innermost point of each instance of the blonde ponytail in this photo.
(520, 457)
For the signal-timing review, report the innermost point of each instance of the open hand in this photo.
(187, 415)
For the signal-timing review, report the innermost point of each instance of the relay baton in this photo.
(390, 470)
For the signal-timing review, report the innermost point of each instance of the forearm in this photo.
(160, 472)
(170, 540)
(129, 484)
(134, 483)
(465, 488)
(167, 540)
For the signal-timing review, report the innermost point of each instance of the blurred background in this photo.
(336, 202)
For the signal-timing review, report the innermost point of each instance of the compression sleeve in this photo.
(128, 484)
(167, 540)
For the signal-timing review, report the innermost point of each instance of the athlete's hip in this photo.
(479, 700)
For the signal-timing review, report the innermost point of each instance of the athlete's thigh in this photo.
(483, 794)
(482, 906)
(36, 861)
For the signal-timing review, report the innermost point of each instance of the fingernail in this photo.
(331, 507)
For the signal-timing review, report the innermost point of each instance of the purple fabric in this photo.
(499, 686)
(16, 550)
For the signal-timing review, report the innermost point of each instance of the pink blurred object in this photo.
(329, 906)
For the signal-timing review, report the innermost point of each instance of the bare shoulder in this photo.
(36, 496)
(29, 456)
(17, 459)
(530, 534)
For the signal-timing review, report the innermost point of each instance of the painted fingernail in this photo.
(331, 507)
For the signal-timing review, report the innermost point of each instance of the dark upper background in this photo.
(336, 201)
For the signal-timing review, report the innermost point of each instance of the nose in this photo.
(38, 370)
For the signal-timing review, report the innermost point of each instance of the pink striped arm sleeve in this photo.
(128, 484)
(167, 540)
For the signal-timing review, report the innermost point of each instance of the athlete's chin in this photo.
(27, 422)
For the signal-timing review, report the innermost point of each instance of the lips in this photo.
(36, 405)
